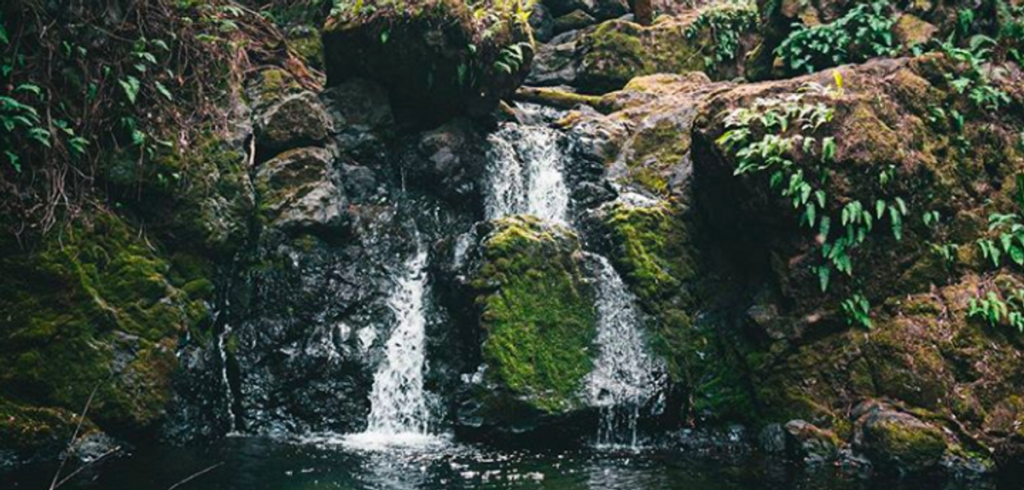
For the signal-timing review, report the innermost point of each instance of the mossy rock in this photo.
(437, 58)
(618, 50)
(31, 433)
(93, 308)
(537, 313)
(899, 442)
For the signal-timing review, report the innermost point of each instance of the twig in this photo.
(86, 465)
(196, 475)
(71, 443)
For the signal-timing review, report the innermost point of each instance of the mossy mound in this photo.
(537, 313)
(198, 196)
(618, 50)
(93, 308)
(437, 58)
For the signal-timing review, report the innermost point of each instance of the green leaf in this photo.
(824, 274)
(163, 91)
(131, 87)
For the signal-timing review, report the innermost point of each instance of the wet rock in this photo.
(298, 120)
(808, 443)
(362, 119)
(897, 441)
(573, 20)
(298, 191)
(450, 160)
(433, 57)
(556, 62)
(542, 22)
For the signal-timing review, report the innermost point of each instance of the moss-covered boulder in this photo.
(897, 441)
(298, 120)
(92, 308)
(538, 320)
(437, 58)
(614, 52)
(196, 195)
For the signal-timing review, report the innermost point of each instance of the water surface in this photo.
(247, 463)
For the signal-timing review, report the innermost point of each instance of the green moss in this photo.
(308, 45)
(539, 314)
(652, 248)
(92, 308)
(31, 432)
(619, 50)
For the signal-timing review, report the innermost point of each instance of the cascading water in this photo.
(526, 176)
(625, 376)
(398, 406)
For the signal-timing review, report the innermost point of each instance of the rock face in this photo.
(436, 58)
(810, 354)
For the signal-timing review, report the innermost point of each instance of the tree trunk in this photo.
(643, 11)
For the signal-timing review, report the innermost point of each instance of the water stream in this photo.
(625, 376)
(399, 414)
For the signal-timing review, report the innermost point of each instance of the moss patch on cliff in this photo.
(538, 314)
(93, 308)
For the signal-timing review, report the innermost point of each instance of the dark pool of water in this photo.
(244, 463)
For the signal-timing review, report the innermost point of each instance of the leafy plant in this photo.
(974, 80)
(857, 310)
(862, 33)
(765, 136)
(995, 309)
(727, 22)
(1010, 229)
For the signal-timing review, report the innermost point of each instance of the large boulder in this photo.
(536, 312)
(897, 441)
(437, 58)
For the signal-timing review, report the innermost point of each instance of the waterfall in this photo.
(526, 176)
(398, 407)
(229, 396)
(625, 375)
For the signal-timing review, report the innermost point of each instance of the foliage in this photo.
(80, 80)
(1010, 229)
(974, 79)
(857, 310)
(765, 137)
(861, 34)
(728, 22)
(996, 308)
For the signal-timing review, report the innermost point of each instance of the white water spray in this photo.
(398, 406)
(625, 376)
(525, 174)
